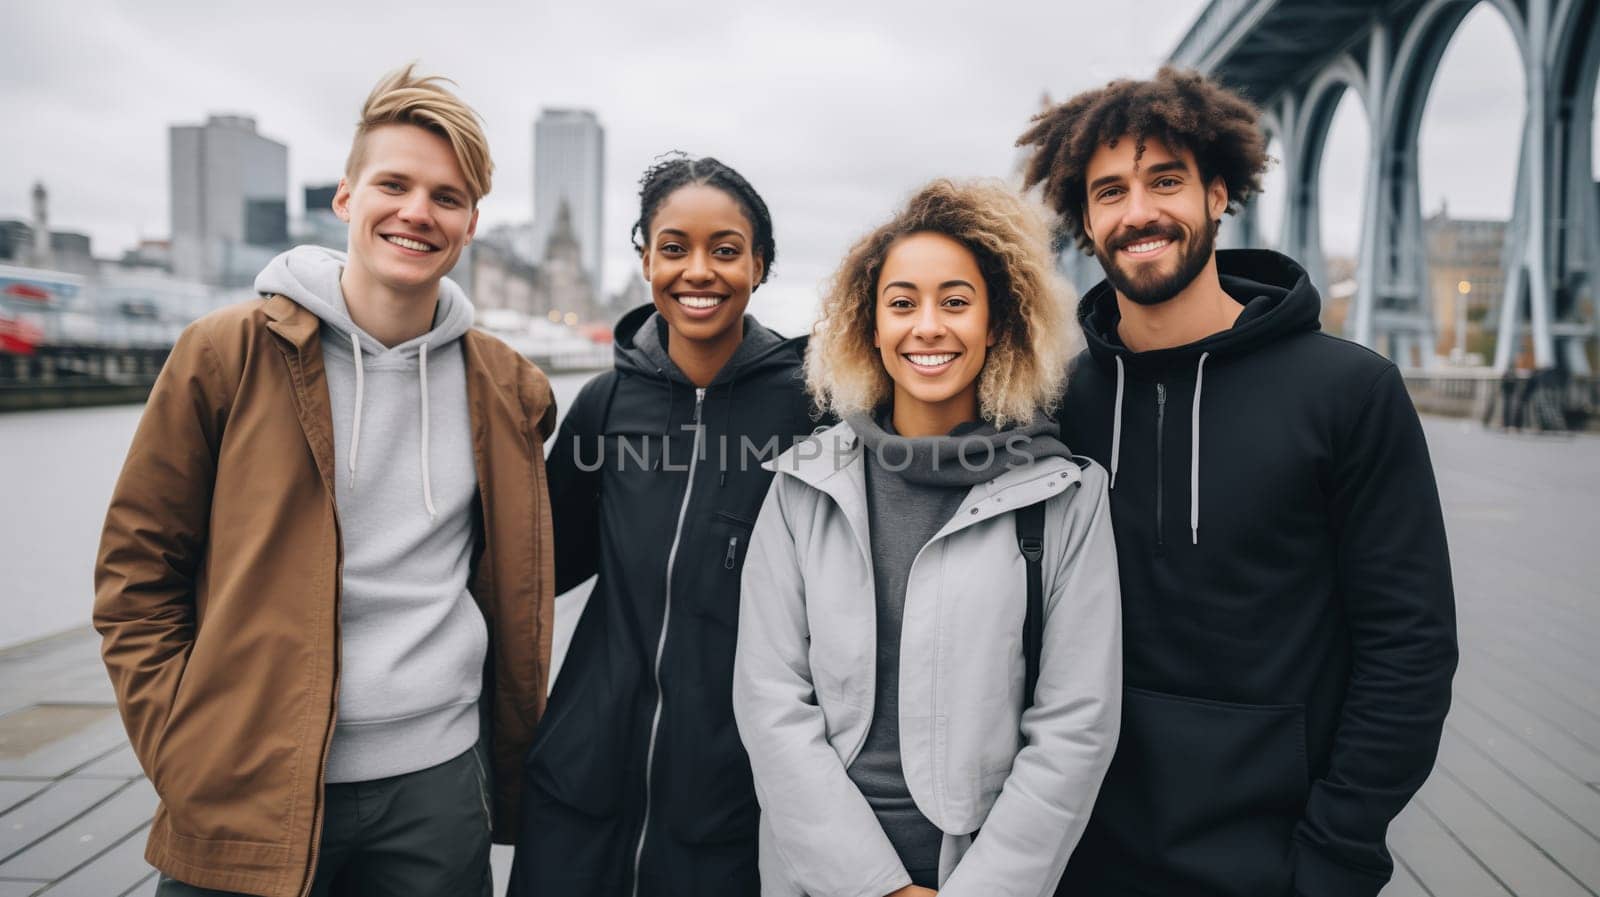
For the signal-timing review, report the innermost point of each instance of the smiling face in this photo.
(1151, 217)
(700, 264)
(932, 330)
(408, 207)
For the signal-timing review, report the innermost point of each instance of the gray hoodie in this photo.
(413, 641)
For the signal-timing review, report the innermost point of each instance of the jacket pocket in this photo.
(729, 537)
(1206, 793)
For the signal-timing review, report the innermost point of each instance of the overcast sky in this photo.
(835, 111)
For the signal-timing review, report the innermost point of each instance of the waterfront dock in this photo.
(1512, 807)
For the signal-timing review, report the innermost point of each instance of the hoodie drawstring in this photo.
(427, 484)
(1194, 451)
(355, 424)
(1194, 441)
(1116, 426)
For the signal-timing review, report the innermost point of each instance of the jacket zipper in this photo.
(732, 556)
(1161, 419)
(661, 643)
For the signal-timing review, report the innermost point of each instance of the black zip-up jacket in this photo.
(1288, 617)
(655, 486)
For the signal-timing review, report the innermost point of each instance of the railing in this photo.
(1548, 401)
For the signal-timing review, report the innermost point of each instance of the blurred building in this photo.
(499, 278)
(319, 198)
(1341, 272)
(569, 154)
(321, 227)
(555, 288)
(565, 280)
(1465, 279)
(72, 252)
(155, 255)
(229, 193)
(16, 240)
(33, 244)
(634, 293)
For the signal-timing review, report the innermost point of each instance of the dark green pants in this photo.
(425, 833)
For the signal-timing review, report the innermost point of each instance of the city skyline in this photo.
(835, 114)
(569, 157)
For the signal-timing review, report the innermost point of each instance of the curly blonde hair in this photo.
(1023, 372)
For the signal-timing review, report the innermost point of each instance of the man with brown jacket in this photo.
(325, 580)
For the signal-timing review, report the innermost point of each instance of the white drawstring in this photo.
(1194, 452)
(1116, 427)
(355, 426)
(427, 486)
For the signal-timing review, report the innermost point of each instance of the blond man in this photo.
(328, 635)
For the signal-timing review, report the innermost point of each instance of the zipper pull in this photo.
(1161, 394)
(727, 561)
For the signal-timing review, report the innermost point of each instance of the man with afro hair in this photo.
(1289, 620)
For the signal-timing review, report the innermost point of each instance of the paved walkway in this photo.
(1513, 807)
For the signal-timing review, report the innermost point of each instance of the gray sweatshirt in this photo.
(913, 487)
(413, 641)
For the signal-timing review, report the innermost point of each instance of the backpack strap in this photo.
(591, 420)
(1030, 539)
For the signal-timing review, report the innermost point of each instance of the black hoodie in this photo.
(1288, 618)
(639, 738)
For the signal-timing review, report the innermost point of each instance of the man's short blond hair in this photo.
(404, 98)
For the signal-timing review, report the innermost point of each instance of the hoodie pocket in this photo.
(1207, 791)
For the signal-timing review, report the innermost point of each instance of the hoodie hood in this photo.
(1278, 301)
(970, 454)
(309, 275)
(640, 340)
(1276, 293)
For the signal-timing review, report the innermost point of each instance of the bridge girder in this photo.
(1296, 58)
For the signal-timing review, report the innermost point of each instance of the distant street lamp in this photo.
(555, 316)
(1462, 289)
(572, 318)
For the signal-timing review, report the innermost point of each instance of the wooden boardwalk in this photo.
(1512, 808)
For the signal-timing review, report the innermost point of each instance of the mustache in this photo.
(1154, 231)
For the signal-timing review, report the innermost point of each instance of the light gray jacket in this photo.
(805, 665)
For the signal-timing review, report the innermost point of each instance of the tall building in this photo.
(230, 189)
(569, 158)
(1467, 276)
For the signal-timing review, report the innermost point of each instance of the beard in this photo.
(1154, 287)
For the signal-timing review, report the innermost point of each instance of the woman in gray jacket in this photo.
(880, 681)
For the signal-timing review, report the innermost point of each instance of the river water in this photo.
(57, 469)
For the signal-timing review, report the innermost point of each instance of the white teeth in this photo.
(931, 361)
(701, 301)
(1149, 246)
(409, 244)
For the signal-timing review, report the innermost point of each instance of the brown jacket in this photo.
(218, 581)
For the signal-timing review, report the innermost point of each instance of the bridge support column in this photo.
(1359, 326)
(1527, 256)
